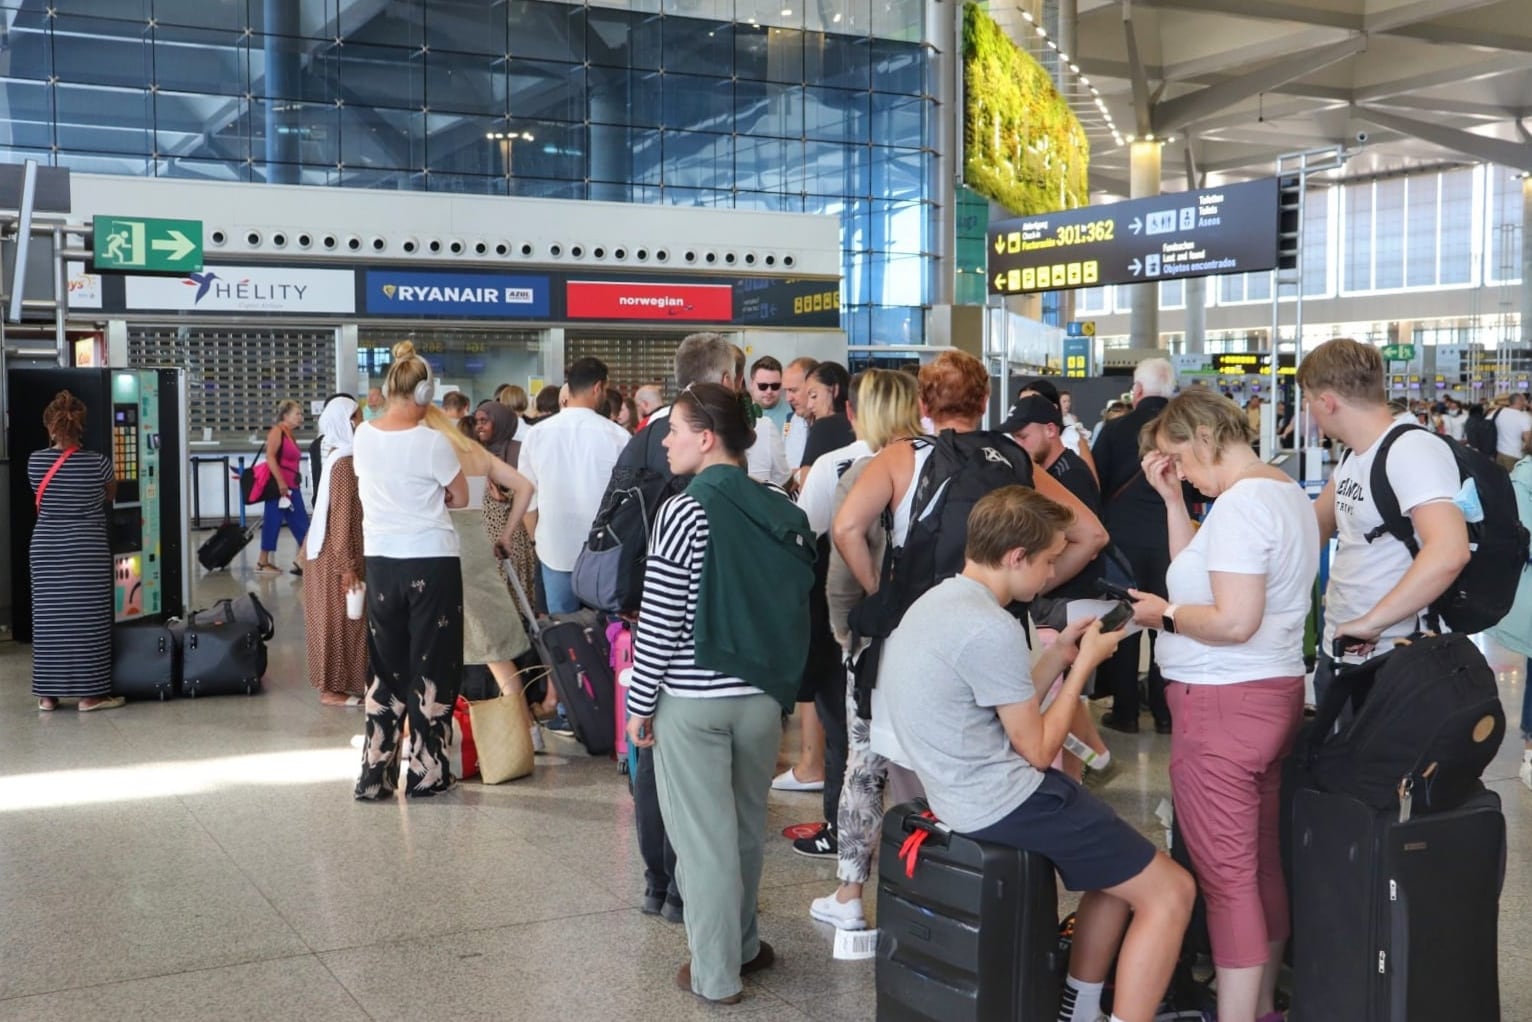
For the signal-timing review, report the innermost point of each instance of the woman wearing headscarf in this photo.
(337, 645)
(496, 425)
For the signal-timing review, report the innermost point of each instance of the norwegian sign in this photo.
(630, 300)
(245, 289)
(147, 245)
(468, 295)
(1191, 234)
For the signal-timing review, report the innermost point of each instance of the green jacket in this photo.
(754, 533)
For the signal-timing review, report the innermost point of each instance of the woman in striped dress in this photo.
(71, 565)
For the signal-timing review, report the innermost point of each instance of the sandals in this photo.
(47, 704)
(296, 570)
(109, 703)
(268, 569)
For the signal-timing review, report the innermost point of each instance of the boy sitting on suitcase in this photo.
(960, 695)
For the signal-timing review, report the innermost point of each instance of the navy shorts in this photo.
(1092, 847)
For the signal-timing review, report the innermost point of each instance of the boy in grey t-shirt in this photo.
(958, 686)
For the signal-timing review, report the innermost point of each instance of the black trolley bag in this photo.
(224, 545)
(1396, 897)
(145, 657)
(223, 648)
(573, 648)
(967, 932)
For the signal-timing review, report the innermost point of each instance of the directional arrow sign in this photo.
(147, 245)
(1135, 267)
(1136, 226)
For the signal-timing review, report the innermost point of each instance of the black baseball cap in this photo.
(1030, 409)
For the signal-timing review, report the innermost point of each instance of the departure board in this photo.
(1232, 229)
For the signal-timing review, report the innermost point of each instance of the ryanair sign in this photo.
(465, 295)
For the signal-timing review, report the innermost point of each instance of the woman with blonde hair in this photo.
(337, 645)
(492, 630)
(283, 461)
(1231, 652)
(408, 476)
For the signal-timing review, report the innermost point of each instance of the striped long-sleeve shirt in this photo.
(664, 650)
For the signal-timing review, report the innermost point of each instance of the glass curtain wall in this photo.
(817, 106)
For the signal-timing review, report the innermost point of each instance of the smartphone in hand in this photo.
(1117, 617)
(1113, 592)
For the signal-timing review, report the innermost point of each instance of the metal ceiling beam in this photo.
(1265, 10)
(1490, 150)
(1460, 35)
(1501, 64)
(1414, 13)
(1142, 104)
(1441, 105)
(1184, 110)
(1238, 57)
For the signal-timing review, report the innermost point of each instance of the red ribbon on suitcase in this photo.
(909, 852)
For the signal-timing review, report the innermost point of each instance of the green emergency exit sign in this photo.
(151, 245)
(1398, 352)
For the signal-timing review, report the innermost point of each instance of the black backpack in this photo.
(961, 469)
(1479, 433)
(1430, 722)
(1482, 594)
(609, 571)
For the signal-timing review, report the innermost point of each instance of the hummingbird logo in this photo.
(202, 282)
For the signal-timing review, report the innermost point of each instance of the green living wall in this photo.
(1023, 147)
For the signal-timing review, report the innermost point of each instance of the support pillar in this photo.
(1196, 295)
(283, 67)
(1526, 260)
(1144, 181)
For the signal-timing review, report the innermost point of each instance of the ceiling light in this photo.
(1042, 31)
(787, 12)
(489, 134)
(836, 19)
(1064, 56)
(1027, 15)
(1076, 69)
(526, 136)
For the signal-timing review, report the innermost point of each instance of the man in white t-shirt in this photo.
(1512, 424)
(795, 432)
(1377, 591)
(1455, 420)
(569, 458)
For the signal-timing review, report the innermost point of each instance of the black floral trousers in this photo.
(415, 640)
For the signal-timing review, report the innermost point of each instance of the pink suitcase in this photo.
(619, 637)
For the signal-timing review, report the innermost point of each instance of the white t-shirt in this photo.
(766, 460)
(569, 458)
(1510, 424)
(401, 477)
(1455, 426)
(817, 498)
(1421, 470)
(795, 435)
(1257, 527)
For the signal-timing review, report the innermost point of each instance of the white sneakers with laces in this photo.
(843, 915)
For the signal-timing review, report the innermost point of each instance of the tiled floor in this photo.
(204, 860)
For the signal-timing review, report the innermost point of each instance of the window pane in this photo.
(768, 164)
(371, 137)
(898, 67)
(835, 115)
(699, 47)
(1231, 289)
(837, 61)
(96, 51)
(695, 103)
(317, 19)
(898, 120)
(613, 159)
(196, 60)
(542, 189)
(697, 160)
(898, 173)
(319, 81)
(618, 96)
(623, 38)
(382, 76)
(29, 114)
(1420, 227)
(1357, 208)
(769, 54)
(224, 14)
(1172, 294)
(315, 126)
(399, 23)
(1258, 287)
(466, 82)
(545, 31)
(465, 26)
(1388, 235)
(1316, 238)
(30, 48)
(104, 120)
(465, 184)
(547, 91)
(1457, 227)
(555, 150)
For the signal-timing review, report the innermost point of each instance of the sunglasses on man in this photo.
(768, 386)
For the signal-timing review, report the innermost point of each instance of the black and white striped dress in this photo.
(71, 578)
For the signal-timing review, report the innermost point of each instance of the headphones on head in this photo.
(425, 391)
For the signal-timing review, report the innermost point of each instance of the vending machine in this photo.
(137, 417)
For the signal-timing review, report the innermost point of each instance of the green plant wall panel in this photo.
(1023, 147)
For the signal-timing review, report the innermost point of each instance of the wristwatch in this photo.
(1168, 619)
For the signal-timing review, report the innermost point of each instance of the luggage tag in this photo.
(1406, 798)
(856, 945)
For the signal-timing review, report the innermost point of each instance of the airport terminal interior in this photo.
(217, 215)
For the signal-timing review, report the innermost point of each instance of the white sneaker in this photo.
(787, 780)
(1526, 769)
(841, 915)
(538, 745)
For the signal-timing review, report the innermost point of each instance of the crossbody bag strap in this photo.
(48, 476)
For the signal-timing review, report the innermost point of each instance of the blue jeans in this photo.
(558, 590)
(273, 517)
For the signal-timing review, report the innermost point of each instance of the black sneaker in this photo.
(559, 725)
(822, 845)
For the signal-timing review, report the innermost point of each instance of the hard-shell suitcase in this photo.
(222, 659)
(223, 546)
(574, 649)
(619, 638)
(1395, 920)
(144, 661)
(971, 935)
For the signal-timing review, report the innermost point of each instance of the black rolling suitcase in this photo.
(971, 935)
(1396, 920)
(223, 650)
(223, 546)
(144, 656)
(573, 648)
